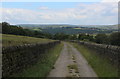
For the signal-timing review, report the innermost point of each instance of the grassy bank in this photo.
(13, 40)
(101, 65)
(44, 65)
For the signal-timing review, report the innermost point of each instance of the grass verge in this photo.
(101, 65)
(43, 67)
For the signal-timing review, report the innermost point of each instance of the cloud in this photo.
(96, 13)
(10, 14)
(43, 8)
(110, 1)
(59, 0)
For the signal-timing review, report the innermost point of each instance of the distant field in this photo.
(13, 40)
(37, 29)
(77, 28)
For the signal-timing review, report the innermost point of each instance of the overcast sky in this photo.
(96, 12)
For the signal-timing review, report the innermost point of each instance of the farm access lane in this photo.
(70, 56)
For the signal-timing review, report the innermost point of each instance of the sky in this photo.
(92, 12)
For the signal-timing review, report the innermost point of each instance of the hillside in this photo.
(68, 25)
(46, 25)
(13, 40)
(71, 29)
(108, 27)
(76, 30)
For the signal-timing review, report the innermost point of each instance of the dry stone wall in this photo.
(17, 58)
(109, 51)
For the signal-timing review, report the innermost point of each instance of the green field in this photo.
(44, 66)
(101, 65)
(13, 40)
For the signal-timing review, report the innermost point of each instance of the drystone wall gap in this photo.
(17, 58)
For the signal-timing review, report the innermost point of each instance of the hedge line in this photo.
(17, 58)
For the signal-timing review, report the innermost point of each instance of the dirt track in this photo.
(69, 57)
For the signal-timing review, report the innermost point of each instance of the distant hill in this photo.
(71, 29)
(108, 27)
(68, 25)
(46, 25)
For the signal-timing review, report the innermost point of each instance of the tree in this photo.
(18, 30)
(5, 27)
(101, 38)
(81, 36)
(60, 36)
(85, 37)
(73, 37)
(115, 38)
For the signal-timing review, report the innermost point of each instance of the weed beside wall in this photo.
(17, 58)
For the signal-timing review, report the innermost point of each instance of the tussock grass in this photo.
(101, 65)
(44, 66)
(13, 40)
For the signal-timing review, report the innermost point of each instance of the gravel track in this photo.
(71, 56)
